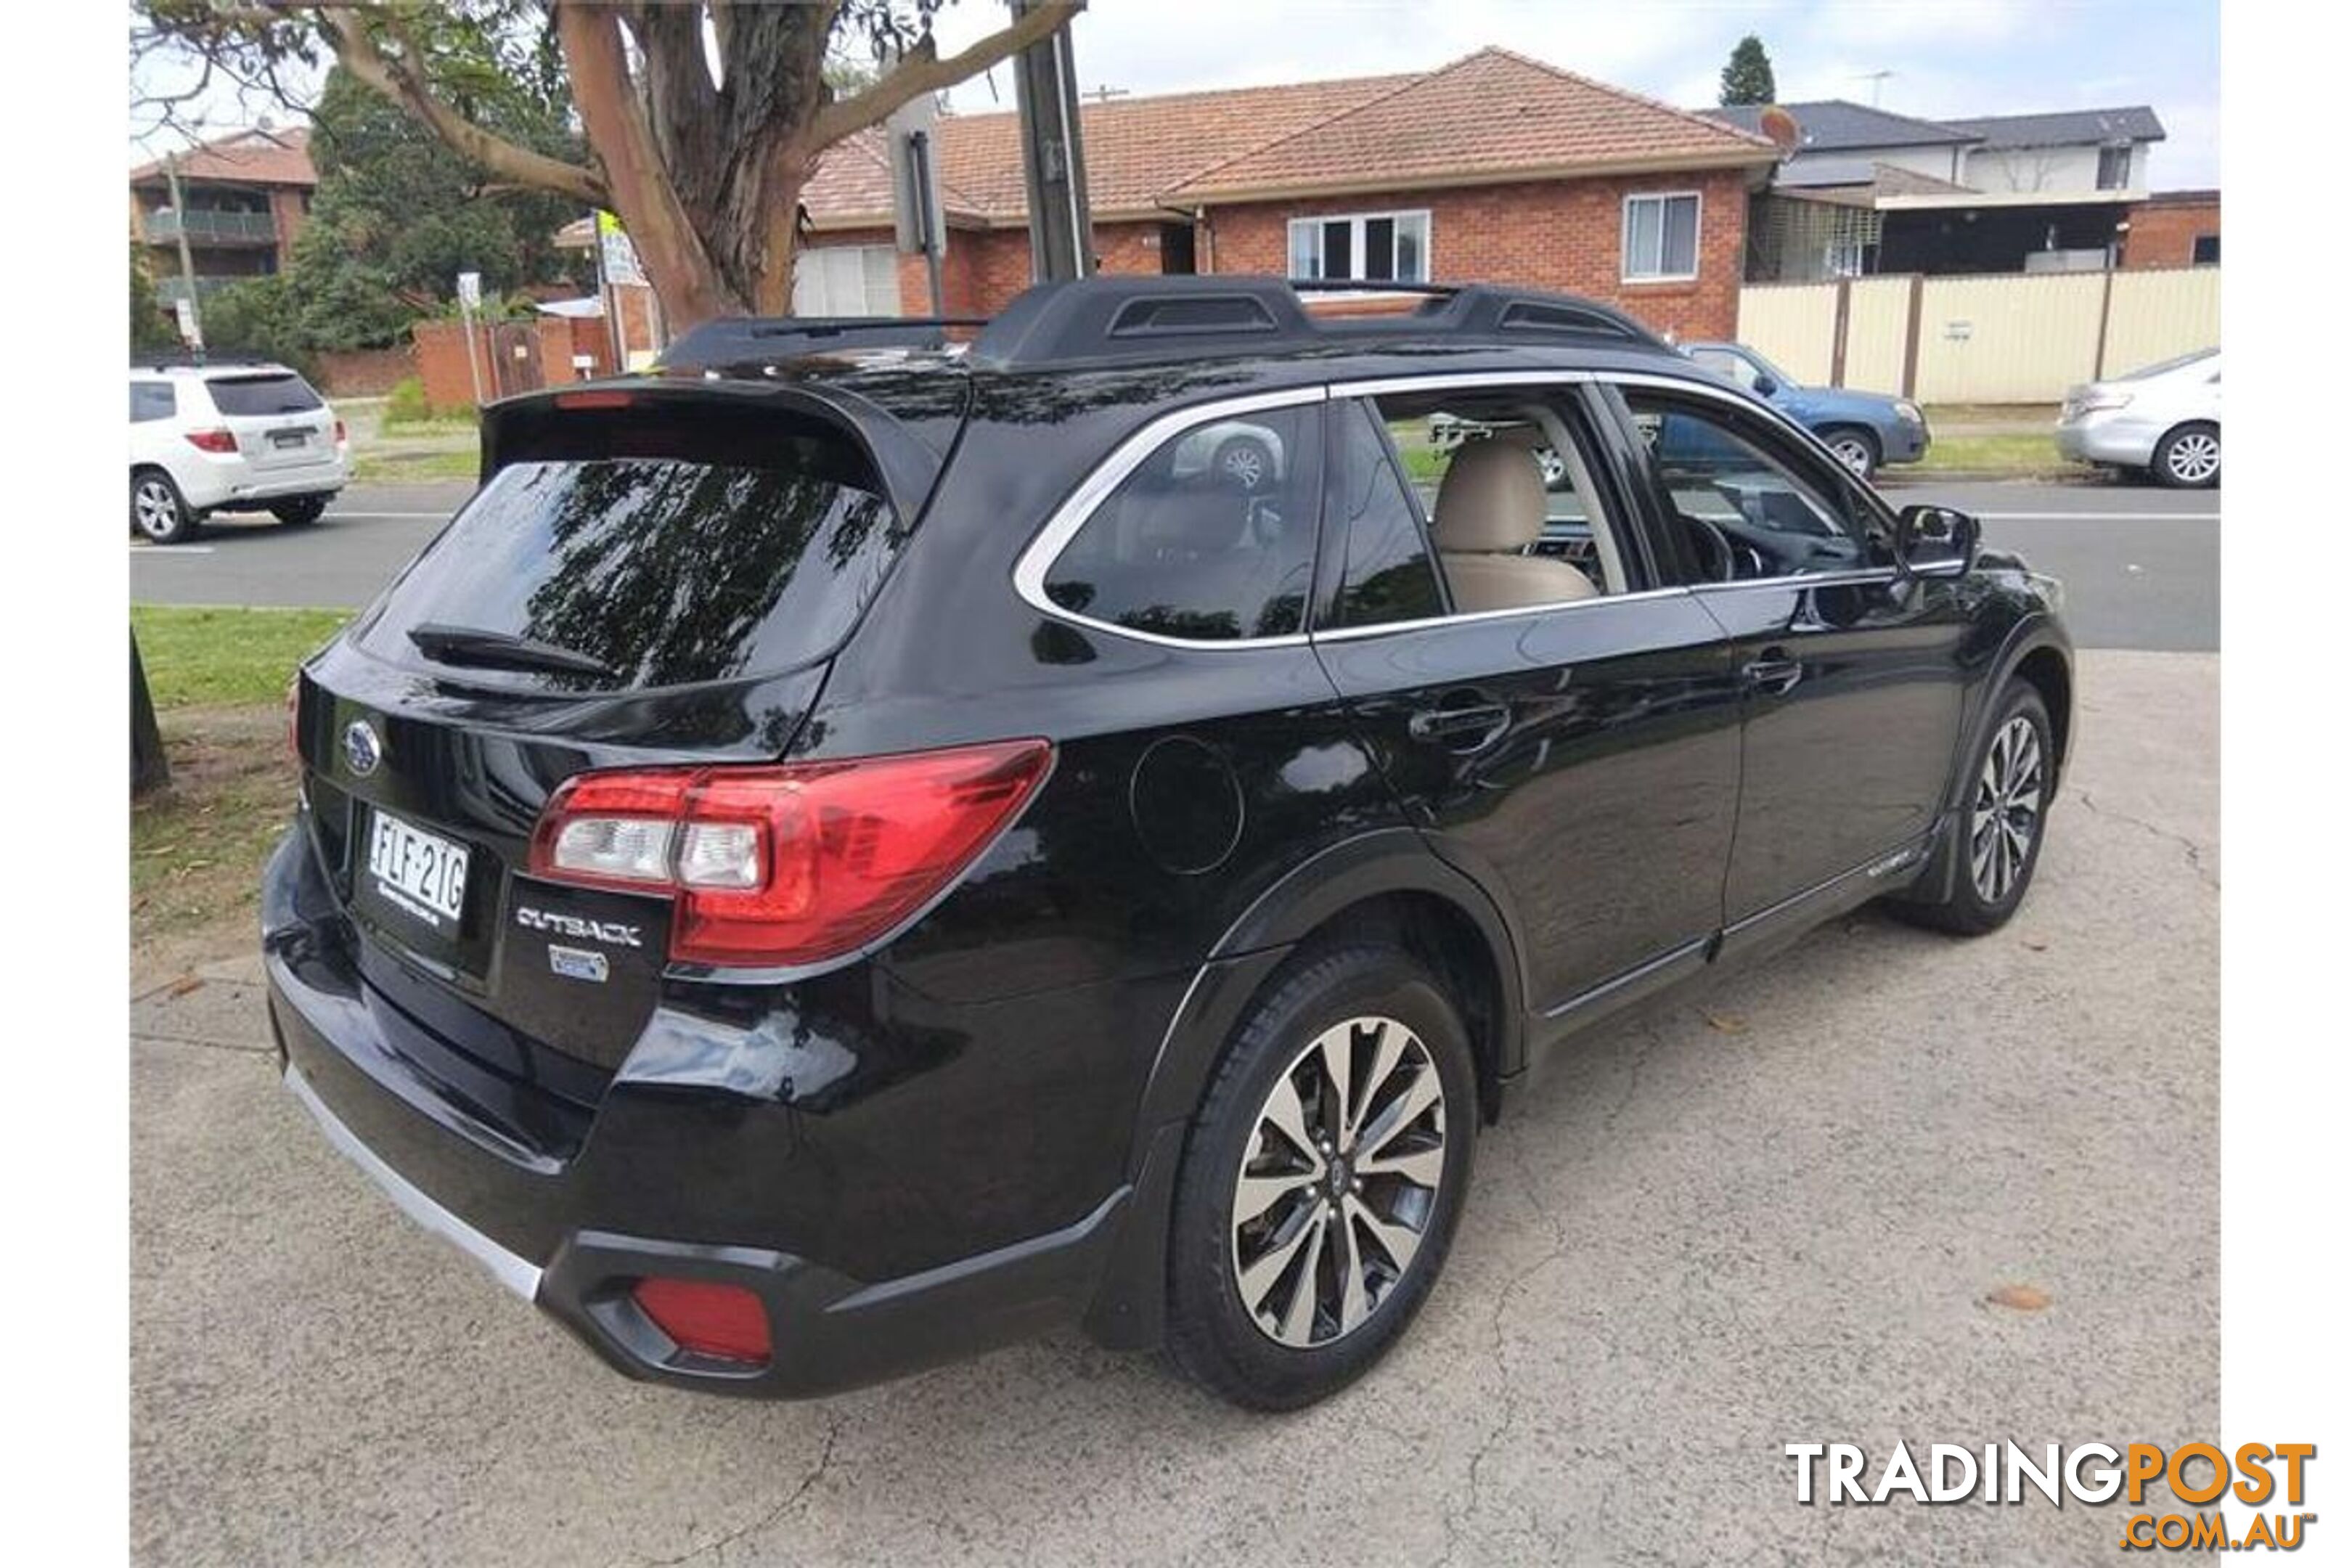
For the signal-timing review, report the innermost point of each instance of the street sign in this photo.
(470, 290)
(620, 256)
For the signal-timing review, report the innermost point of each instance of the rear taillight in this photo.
(294, 716)
(790, 864)
(212, 440)
(708, 1318)
(339, 431)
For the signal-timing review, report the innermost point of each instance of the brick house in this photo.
(1494, 167)
(247, 196)
(2174, 228)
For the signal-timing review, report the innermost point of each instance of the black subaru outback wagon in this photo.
(851, 850)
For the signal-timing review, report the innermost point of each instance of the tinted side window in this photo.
(1389, 574)
(1211, 538)
(1734, 497)
(151, 400)
(245, 396)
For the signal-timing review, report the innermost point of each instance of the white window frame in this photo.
(2099, 168)
(1356, 222)
(1625, 236)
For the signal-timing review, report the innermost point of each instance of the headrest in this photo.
(1491, 500)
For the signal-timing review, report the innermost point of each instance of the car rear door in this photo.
(1579, 759)
(1852, 682)
(280, 424)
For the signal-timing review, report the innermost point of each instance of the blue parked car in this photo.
(1863, 428)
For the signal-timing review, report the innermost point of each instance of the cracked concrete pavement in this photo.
(1769, 1210)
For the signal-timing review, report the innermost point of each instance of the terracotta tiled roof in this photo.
(1490, 116)
(275, 157)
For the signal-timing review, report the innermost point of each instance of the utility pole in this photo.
(1053, 163)
(1876, 79)
(187, 265)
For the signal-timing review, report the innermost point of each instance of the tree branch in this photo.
(400, 81)
(923, 72)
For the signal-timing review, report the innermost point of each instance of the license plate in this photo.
(420, 872)
(288, 438)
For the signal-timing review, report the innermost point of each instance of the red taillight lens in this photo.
(339, 431)
(294, 716)
(791, 864)
(602, 397)
(706, 1318)
(212, 440)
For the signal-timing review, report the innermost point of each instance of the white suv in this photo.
(249, 437)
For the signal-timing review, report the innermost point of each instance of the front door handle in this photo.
(1772, 672)
(1460, 725)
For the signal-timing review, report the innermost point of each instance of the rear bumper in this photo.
(231, 482)
(2126, 442)
(659, 1184)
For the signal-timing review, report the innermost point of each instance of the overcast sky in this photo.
(1949, 57)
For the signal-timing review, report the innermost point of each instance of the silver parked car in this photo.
(2165, 420)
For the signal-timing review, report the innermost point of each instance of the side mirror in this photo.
(1935, 541)
(1765, 386)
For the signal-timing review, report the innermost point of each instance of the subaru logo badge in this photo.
(362, 750)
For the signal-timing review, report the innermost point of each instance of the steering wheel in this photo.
(1717, 559)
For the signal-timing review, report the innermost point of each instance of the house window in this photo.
(846, 280)
(2205, 250)
(1662, 236)
(1375, 247)
(2115, 168)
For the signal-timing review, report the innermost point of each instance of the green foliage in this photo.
(252, 316)
(151, 324)
(1747, 75)
(407, 405)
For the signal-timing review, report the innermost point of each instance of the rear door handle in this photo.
(1462, 728)
(1772, 672)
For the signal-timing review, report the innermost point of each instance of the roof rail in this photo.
(1106, 320)
(737, 341)
(192, 359)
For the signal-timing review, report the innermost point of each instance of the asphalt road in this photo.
(1770, 1211)
(2142, 566)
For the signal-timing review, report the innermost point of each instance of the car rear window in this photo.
(664, 571)
(248, 397)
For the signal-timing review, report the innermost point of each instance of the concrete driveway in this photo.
(1769, 1212)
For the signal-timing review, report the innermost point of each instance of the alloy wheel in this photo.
(2194, 457)
(1338, 1182)
(154, 508)
(1853, 452)
(2007, 814)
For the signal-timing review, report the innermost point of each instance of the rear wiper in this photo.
(501, 650)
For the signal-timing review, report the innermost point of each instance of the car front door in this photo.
(1851, 675)
(1559, 723)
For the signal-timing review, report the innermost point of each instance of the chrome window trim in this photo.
(1470, 617)
(1038, 557)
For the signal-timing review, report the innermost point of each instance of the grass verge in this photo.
(202, 655)
(218, 678)
(410, 467)
(2012, 455)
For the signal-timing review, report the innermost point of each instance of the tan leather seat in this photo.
(1490, 507)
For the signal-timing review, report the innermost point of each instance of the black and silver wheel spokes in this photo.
(1339, 1181)
(2007, 813)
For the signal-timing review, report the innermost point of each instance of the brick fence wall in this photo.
(2164, 229)
(365, 372)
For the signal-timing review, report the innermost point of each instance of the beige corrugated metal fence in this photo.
(2011, 338)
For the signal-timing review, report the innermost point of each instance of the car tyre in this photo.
(300, 512)
(1285, 1293)
(1855, 448)
(158, 511)
(2188, 458)
(2004, 817)
(1245, 463)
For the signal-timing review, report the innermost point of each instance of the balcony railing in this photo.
(165, 226)
(170, 289)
